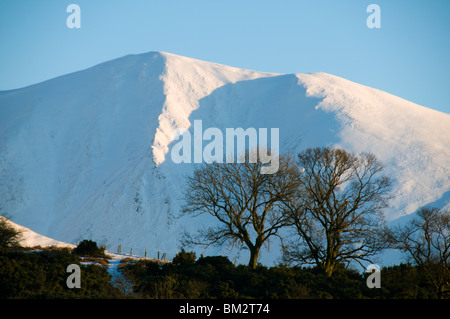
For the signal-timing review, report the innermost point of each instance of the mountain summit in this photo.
(87, 155)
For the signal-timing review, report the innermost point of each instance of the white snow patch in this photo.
(30, 239)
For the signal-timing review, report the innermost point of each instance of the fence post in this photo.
(145, 255)
(131, 251)
(119, 248)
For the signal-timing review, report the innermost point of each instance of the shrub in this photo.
(9, 236)
(184, 259)
(42, 274)
(89, 248)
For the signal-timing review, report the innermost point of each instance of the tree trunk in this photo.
(328, 269)
(254, 253)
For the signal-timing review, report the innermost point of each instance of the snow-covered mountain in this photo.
(87, 155)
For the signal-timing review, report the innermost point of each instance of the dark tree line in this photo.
(216, 277)
(42, 273)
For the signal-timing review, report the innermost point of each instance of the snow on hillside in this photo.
(87, 155)
(412, 141)
(29, 238)
(186, 82)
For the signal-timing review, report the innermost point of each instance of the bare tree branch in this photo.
(247, 204)
(337, 215)
(426, 239)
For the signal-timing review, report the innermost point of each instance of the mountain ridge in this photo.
(87, 154)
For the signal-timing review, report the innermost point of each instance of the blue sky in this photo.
(409, 56)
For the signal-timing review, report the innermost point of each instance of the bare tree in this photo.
(337, 214)
(246, 203)
(426, 239)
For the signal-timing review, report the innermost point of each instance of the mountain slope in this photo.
(412, 141)
(29, 238)
(87, 155)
